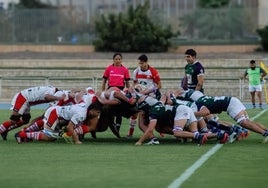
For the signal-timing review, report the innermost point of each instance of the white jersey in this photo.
(76, 113)
(37, 94)
(89, 99)
(191, 94)
(63, 102)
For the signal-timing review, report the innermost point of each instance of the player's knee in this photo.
(26, 118)
(15, 118)
(242, 119)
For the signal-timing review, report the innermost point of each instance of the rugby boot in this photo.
(153, 141)
(4, 135)
(222, 137)
(201, 140)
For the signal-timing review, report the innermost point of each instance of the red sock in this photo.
(85, 129)
(7, 124)
(22, 134)
(40, 123)
(82, 129)
(68, 133)
(131, 130)
(16, 125)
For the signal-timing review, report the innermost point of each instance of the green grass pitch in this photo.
(111, 162)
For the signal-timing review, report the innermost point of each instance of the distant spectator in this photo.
(255, 75)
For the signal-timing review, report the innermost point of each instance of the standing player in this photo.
(21, 104)
(194, 72)
(148, 77)
(118, 76)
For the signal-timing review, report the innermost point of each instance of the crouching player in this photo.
(184, 120)
(75, 115)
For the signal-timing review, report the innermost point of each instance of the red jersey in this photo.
(116, 75)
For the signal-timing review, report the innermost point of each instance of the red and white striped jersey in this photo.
(147, 78)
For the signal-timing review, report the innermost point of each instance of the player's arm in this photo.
(103, 85)
(200, 82)
(263, 74)
(103, 100)
(159, 85)
(149, 131)
(202, 112)
(245, 75)
(71, 132)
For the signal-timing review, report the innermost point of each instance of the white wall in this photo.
(263, 13)
(6, 2)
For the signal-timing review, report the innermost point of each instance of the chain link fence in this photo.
(74, 24)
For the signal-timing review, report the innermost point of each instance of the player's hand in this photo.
(78, 142)
(138, 144)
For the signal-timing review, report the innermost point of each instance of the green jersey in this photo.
(215, 104)
(254, 76)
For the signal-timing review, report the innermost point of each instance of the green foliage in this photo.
(263, 33)
(131, 32)
(213, 3)
(32, 4)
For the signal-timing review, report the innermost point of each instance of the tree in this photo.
(263, 33)
(131, 32)
(32, 4)
(213, 3)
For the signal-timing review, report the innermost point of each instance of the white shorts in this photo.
(185, 112)
(252, 88)
(20, 104)
(51, 118)
(235, 107)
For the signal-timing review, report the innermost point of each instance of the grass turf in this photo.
(111, 162)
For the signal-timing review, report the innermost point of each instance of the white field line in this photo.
(188, 172)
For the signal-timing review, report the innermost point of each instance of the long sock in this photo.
(82, 129)
(265, 133)
(131, 131)
(196, 135)
(36, 126)
(16, 125)
(133, 123)
(4, 126)
(30, 135)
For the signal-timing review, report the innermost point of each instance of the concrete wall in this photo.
(88, 48)
(263, 13)
(222, 75)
